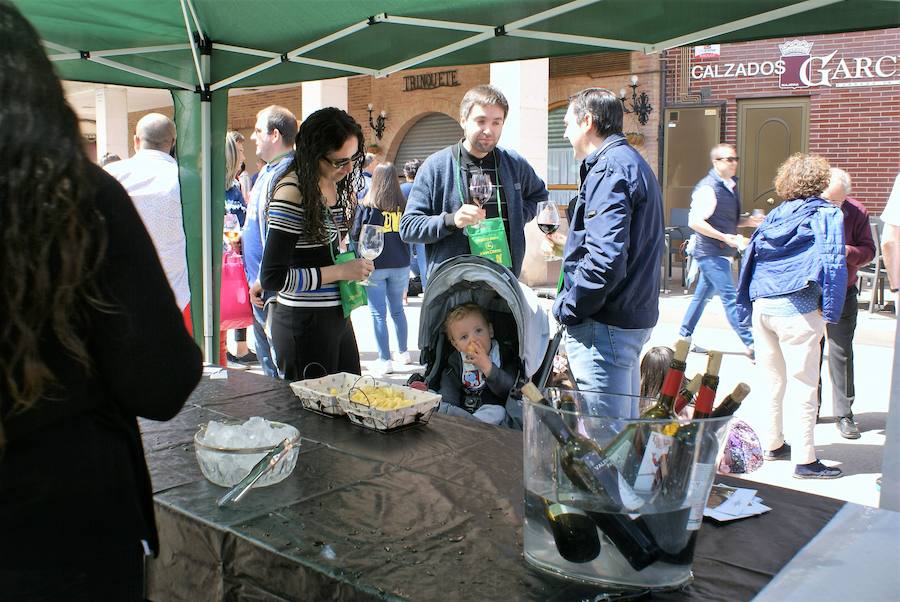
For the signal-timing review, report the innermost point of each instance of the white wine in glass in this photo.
(371, 243)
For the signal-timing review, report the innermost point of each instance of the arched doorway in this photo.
(427, 136)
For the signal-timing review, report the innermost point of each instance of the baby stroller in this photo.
(512, 308)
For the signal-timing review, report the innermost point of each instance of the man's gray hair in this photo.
(156, 132)
(842, 176)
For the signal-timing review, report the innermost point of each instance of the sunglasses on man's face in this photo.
(339, 163)
(729, 159)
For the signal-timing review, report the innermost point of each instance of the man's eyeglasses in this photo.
(339, 163)
(729, 159)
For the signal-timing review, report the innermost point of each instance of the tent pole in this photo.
(206, 203)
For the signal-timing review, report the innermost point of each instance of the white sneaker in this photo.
(402, 358)
(380, 367)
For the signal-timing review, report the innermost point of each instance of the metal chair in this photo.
(874, 272)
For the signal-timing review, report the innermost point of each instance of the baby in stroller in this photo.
(509, 324)
(477, 379)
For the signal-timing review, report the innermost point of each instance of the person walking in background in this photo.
(860, 250)
(151, 179)
(311, 208)
(715, 216)
(438, 209)
(609, 300)
(274, 134)
(793, 281)
(369, 164)
(236, 205)
(91, 338)
(417, 250)
(382, 207)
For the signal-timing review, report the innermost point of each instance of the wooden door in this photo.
(769, 131)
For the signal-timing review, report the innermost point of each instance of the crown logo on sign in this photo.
(795, 48)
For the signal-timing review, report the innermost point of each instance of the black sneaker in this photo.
(249, 358)
(782, 453)
(848, 428)
(816, 470)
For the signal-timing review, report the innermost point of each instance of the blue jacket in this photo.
(801, 241)
(434, 198)
(611, 262)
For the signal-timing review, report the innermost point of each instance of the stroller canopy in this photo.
(469, 278)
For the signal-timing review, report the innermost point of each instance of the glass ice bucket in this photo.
(611, 499)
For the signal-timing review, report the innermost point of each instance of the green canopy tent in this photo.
(199, 49)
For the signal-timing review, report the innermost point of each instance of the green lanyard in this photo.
(462, 197)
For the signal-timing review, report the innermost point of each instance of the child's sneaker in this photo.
(816, 470)
(380, 367)
(402, 358)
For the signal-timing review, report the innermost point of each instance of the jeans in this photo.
(606, 358)
(421, 268)
(787, 359)
(385, 291)
(715, 278)
(263, 347)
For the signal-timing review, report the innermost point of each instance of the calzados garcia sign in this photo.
(798, 68)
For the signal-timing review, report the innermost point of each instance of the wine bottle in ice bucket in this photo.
(731, 403)
(687, 393)
(587, 467)
(574, 532)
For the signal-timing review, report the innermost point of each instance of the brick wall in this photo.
(855, 128)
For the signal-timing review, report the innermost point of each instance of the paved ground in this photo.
(860, 459)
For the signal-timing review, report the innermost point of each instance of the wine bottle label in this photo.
(648, 475)
(698, 491)
(616, 487)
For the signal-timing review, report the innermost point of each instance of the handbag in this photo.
(235, 310)
(353, 294)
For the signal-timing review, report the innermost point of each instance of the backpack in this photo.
(742, 451)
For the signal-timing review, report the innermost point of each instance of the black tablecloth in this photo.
(430, 513)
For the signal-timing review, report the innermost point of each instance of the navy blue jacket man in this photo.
(609, 300)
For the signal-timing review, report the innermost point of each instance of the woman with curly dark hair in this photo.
(793, 281)
(82, 293)
(310, 212)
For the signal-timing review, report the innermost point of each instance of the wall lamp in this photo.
(639, 103)
(378, 124)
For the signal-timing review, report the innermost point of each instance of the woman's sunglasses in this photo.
(339, 163)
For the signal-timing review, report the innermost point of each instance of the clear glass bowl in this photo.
(226, 466)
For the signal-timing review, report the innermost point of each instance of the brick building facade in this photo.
(854, 101)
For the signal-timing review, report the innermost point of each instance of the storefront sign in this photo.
(430, 81)
(707, 52)
(799, 68)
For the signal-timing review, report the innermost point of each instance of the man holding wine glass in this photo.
(474, 197)
(609, 300)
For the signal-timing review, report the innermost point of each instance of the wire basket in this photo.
(320, 395)
(422, 404)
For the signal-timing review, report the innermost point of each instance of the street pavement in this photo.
(860, 459)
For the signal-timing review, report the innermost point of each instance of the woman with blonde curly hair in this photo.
(793, 281)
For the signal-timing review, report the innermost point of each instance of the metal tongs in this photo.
(268, 462)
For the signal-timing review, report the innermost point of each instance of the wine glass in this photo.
(232, 228)
(480, 190)
(371, 243)
(548, 223)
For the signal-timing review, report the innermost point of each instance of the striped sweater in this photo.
(292, 259)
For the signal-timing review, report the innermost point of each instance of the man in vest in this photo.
(715, 216)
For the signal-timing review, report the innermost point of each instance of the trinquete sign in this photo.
(430, 81)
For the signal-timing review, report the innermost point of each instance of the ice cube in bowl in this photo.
(227, 451)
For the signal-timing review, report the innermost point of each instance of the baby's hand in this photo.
(477, 354)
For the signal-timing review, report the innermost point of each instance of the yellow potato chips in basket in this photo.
(384, 406)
